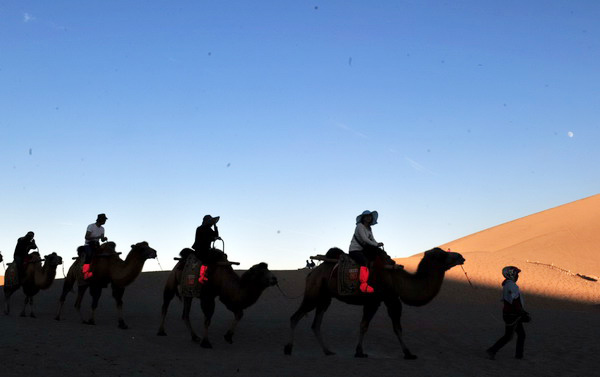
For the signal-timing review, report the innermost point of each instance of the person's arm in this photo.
(216, 233)
(362, 234)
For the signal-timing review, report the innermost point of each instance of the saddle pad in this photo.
(190, 287)
(79, 272)
(348, 269)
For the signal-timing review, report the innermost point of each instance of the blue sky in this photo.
(289, 118)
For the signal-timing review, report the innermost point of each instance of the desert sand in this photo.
(449, 335)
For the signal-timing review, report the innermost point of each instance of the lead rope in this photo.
(287, 296)
(157, 261)
(465, 272)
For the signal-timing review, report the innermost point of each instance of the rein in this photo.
(223, 242)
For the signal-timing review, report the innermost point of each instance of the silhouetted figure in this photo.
(206, 234)
(513, 314)
(24, 245)
(93, 235)
(312, 264)
(307, 264)
(363, 247)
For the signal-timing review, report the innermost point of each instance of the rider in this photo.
(363, 247)
(206, 234)
(24, 244)
(93, 235)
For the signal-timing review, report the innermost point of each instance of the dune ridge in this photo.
(556, 250)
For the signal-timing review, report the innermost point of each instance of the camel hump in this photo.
(334, 253)
(33, 258)
(184, 253)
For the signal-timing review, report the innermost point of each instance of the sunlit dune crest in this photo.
(556, 249)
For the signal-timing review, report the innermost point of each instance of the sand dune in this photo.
(449, 335)
(557, 250)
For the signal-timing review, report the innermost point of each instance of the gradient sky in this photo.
(289, 118)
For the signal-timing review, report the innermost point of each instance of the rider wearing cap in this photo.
(206, 234)
(93, 235)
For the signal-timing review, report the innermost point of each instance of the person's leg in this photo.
(18, 261)
(509, 330)
(87, 258)
(520, 340)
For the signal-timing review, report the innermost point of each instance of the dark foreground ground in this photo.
(449, 336)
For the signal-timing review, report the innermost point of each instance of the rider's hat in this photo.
(209, 220)
(365, 213)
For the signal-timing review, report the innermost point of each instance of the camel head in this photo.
(259, 274)
(440, 258)
(53, 259)
(144, 249)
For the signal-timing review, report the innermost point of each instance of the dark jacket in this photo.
(23, 247)
(205, 236)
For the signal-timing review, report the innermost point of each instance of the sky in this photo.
(289, 118)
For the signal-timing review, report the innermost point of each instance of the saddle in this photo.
(190, 286)
(347, 276)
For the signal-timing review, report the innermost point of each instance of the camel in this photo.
(107, 268)
(235, 292)
(37, 277)
(391, 287)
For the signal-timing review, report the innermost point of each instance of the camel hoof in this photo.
(57, 318)
(89, 322)
(329, 353)
(229, 337)
(23, 314)
(195, 338)
(122, 325)
(361, 355)
(205, 344)
(410, 356)
(161, 333)
(287, 349)
(32, 315)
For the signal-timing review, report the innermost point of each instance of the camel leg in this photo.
(118, 296)
(95, 292)
(394, 308)
(208, 309)
(369, 311)
(322, 306)
(67, 287)
(305, 307)
(80, 293)
(168, 295)
(237, 317)
(187, 307)
(7, 294)
(31, 314)
(23, 312)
